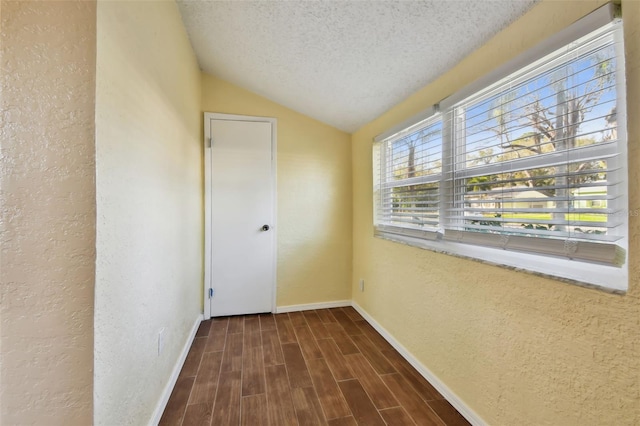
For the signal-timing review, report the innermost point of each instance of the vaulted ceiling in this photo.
(341, 62)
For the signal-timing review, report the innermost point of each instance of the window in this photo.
(532, 163)
(409, 178)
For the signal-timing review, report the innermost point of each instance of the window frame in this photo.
(383, 224)
(446, 240)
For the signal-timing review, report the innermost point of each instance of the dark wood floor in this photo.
(323, 367)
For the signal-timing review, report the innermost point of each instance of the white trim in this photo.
(206, 284)
(208, 116)
(274, 191)
(168, 388)
(591, 275)
(449, 395)
(311, 306)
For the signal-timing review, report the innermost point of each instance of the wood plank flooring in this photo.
(325, 367)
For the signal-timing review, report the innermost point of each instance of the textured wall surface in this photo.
(149, 204)
(517, 349)
(47, 202)
(296, 46)
(314, 196)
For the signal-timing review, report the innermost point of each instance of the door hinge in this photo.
(209, 142)
(211, 292)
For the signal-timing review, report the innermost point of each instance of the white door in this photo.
(240, 210)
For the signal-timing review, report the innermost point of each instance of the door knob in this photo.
(265, 227)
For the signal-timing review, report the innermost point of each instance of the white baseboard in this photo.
(453, 399)
(166, 392)
(310, 306)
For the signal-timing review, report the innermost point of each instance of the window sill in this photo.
(605, 278)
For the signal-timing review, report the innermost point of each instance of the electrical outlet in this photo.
(361, 284)
(160, 340)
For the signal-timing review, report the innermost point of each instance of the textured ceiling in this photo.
(340, 62)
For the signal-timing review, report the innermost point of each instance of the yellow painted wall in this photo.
(516, 348)
(48, 214)
(149, 204)
(314, 196)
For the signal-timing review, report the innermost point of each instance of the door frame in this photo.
(208, 116)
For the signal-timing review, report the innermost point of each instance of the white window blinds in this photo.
(534, 161)
(538, 155)
(408, 180)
